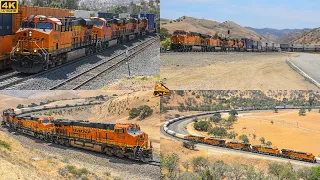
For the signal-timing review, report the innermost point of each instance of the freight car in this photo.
(44, 42)
(122, 140)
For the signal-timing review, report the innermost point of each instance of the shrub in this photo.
(4, 144)
(302, 112)
(262, 140)
(145, 111)
(177, 115)
(20, 106)
(217, 131)
(134, 112)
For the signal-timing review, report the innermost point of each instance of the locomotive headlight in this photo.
(18, 49)
(30, 33)
(34, 50)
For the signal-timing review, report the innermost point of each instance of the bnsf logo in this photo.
(10, 6)
(87, 131)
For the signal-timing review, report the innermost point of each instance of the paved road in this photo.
(180, 127)
(310, 64)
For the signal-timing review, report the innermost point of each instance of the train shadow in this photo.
(108, 53)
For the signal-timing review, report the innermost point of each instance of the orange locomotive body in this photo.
(238, 145)
(302, 156)
(195, 138)
(265, 150)
(214, 141)
(123, 140)
(47, 42)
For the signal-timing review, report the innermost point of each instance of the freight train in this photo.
(122, 140)
(38, 38)
(186, 41)
(267, 150)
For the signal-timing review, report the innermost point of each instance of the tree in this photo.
(216, 118)
(305, 173)
(199, 163)
(272, 122)
(302, 112)
(237, 171)
(218, 131)
(276, 110)
(164, 34)
(254, 136)
(181, 107)
(233, 112)
(232, 135)
(71, 4)
(202, 126)
(233, 118)
(316, 172)
(268, 143)
(244, 138)
(228, 124)
(262, 140)
(170, 163)
(275, 169)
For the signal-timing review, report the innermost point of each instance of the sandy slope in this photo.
(241, 71)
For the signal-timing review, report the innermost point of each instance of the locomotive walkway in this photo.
(309, 66)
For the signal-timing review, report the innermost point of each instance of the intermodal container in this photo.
(85, 14)
(249, 43)
(151, 21)
(27, 11)
(107, 15)
(124, 15)
(5, 24)
(136, 16)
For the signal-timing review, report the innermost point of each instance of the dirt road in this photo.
(241, 71)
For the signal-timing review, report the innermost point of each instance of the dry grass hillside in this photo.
(19, 162)
(117, 110)
(311, 37)
(210, 27)
(289, 38)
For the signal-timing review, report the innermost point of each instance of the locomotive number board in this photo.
(9, 6)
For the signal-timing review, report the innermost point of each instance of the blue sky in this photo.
(278, 14)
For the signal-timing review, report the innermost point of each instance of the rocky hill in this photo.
(307, 37)
(210, 27)
(279, 35)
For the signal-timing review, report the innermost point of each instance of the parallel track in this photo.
(17, 81)
(11, 79)
(84, 78)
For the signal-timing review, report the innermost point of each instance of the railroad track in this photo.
(154, 163)
(9, 84)
(106, 66)
(233, 149)
(11, 79)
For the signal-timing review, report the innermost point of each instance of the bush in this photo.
(20, 106)
(145, 111)
(4, 144)
(33, 105)
(269, 143)
(177, 115)
(262, 140)
(302, 112)
(70, 169)
(202, 126)
(134, 112)
(217, 131)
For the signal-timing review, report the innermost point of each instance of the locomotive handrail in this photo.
(46, 54)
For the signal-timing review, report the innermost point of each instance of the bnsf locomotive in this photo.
(184, 41)
(291, 154)
(122, 140)
(44, 42)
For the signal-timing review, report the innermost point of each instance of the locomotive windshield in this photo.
(27, 24)
(46, 121)
(44, 25)
(133, 129)
(98, 24)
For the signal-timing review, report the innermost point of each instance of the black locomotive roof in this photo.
(27, 117)
(212, 138)
(85, 124)
(288, 150)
